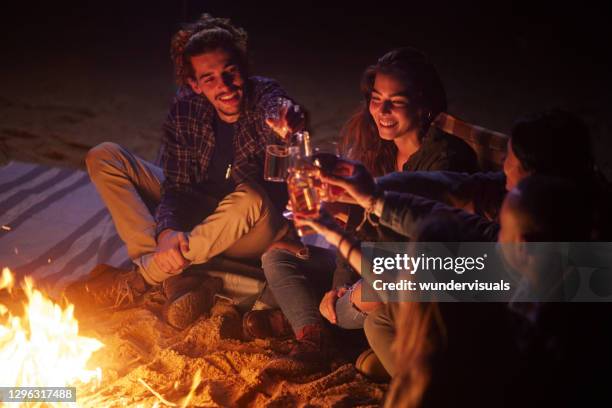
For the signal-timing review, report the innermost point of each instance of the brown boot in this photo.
(263, 324)
(107, 287)
(188, 297)
(312, 344)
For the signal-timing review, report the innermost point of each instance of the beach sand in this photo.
(142, 354)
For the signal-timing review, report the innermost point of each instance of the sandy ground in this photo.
(144, 362)
(142, 353)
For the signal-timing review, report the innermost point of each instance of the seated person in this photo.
(555, 346)
(392, 131)
(209, 197)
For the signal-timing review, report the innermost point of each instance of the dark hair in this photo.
(554, 143)
(554, 209)
(427, 98)
(444, 227)
(207, 34)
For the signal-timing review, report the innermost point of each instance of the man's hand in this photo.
(328, 304)
(359, 185)
(290, 119)
(171, 245)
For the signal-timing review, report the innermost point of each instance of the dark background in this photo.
(78, 73)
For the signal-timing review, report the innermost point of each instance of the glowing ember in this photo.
(43, 348)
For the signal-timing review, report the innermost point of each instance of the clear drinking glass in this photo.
(325, 156)
(276, 163)
(306, 193)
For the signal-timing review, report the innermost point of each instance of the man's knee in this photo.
(99, 156)
(250, 200)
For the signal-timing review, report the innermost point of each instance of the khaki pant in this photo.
(242, 225)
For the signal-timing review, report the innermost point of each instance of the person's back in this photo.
(563, 343)
(524, 354)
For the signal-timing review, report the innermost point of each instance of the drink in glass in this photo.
(325, 156)
(305, 193)
(276, 164)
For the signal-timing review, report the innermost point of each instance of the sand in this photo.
(142, 354)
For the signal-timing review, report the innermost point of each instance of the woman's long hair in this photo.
(427, 98)
(420, 328)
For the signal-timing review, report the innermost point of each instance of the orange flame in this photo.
(43, 348)
(6, 280)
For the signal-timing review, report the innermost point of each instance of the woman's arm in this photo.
(347, 246)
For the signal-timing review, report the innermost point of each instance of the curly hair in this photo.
(208, 33)
(427, 97)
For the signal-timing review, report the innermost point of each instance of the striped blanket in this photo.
(54, 227)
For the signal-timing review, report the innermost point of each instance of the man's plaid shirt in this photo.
(189, 140)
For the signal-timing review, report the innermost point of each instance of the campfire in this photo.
(131, 358)
(43, 348)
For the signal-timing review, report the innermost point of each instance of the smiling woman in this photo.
(392, 130)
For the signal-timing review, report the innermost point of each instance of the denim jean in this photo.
(298, 284)
(347, 315)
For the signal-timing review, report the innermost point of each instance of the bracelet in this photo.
(370, 220)
(367, 216)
